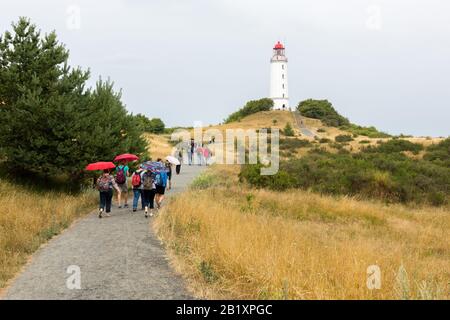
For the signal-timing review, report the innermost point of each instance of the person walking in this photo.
(169, 173)
(122, 173)
(206, 154)
(160, 184)
(191, 152)
(105, 185)
(148, 192)
(199, 155)
(180, 158)
(137, 184)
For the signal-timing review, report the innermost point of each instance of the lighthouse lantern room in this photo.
(279, 78)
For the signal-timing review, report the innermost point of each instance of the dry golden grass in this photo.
(260, 120)
(158, 145)
(265, 120)
(28, 219)
(239, 243)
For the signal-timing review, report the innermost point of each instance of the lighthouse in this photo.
(279, 78)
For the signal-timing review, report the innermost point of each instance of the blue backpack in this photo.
(161, 179)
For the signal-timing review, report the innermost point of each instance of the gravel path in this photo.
(301, 125)
(118, 258)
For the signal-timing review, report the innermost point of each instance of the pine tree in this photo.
(49, 123)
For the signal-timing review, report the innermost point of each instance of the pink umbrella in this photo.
(127, 157)
(100, 166)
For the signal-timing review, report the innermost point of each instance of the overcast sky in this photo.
(381, 62)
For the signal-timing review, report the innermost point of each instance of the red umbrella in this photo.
(100, 166)
(126, 157)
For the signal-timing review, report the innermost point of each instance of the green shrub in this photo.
(324, 140)
(203, 181)
(439, 153)
(252, 174)
(337, 146)
(394, 146)
(293, 144)
(322, 110)
(370, 132)
(391, 177)
(251, 107)
(288, 131)
(343, 138)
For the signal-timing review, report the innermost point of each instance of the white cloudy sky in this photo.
(381, 62)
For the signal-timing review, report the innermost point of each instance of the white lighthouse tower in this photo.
(279, 78)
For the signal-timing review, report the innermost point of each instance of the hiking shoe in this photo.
(107, 215)
(134, 209)
(126, 205)
(120, 207)
(100, 213)
(151, 213)
(146, 214)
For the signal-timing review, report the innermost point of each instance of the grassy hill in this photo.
(235, 240)
(158, 146)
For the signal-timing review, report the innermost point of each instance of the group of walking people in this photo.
(199, 153)
(147, 184)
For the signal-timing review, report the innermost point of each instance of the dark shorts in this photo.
(160, 190)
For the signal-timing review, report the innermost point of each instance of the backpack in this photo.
(120, 176)
(147, 181)
(103, 183)
(161, 179)
(136, 180)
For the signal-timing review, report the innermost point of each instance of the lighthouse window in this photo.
(282, 75)
(282, 66)
(283, 85)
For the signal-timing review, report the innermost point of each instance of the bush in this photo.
(343, 138)
(293, 144)
(370, 132)
(389, 177)
(252, 174)
(203, 181)
(251, 107)
(337, 146)
(322, 110)
(439, 153)
(288, 131)
(395, 146)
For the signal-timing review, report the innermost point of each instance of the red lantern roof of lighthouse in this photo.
(279, 45)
